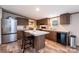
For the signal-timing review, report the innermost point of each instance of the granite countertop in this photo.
(36, 32)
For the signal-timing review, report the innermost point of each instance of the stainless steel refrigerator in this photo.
(9, 29)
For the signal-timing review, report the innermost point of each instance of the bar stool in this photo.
(27, 41)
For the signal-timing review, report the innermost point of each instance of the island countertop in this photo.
(36, 32)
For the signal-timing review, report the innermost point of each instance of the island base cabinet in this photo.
(39, 42)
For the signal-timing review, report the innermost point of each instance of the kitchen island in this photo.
(39, 40)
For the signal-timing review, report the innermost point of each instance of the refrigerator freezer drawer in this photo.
(9, 38)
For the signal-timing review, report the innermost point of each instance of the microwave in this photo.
(43, 26)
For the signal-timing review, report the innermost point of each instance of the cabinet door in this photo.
(42, 22)
(65, 18)
(54, 36)
(51, 36)
(22, 21)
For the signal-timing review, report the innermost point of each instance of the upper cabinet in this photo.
(42, 21)
(21, 21)
(65, 18)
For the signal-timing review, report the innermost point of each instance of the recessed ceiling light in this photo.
(37, 9)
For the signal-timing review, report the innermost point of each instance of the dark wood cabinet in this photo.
(65, 18)
(22, 21)
(42, 21)
(52, 36)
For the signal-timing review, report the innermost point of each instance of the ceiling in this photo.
(45, 10)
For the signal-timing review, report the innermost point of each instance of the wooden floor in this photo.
(54, 47)
(50, 47)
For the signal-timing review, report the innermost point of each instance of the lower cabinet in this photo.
(60, 37)
(51, 36)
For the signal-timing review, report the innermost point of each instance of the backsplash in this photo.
(32, 24)
(20, 27)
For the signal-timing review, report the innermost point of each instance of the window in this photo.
(54, 22)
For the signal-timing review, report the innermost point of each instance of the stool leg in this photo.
(23, 50)
(23, 46)
(33, 43)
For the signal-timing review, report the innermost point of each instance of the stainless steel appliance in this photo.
(62, 38)
(73, 41)
(44, 26)
(9, 29)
